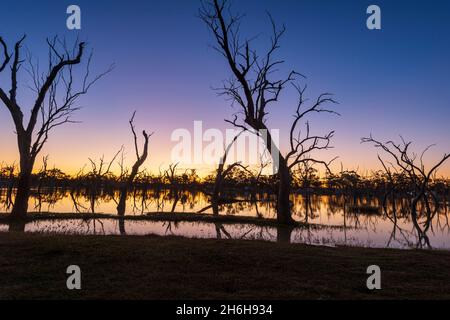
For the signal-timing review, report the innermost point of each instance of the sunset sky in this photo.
(388, 82)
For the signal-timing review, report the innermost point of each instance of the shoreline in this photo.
(170, 217)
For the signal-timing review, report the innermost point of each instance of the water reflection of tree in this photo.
(419, 181)
(49, 198)
(7, 178)
(346, 208)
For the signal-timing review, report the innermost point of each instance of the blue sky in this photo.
(388, 82)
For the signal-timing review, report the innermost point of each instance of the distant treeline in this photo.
(240, 178)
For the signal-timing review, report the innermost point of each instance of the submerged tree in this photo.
(128, 179)
(221, 175)
(254, 87)
(8, 174)
(53, 106)
(99, 176)
(413, 166)
(170, 175)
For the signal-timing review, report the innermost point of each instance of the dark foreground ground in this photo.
(34, 267)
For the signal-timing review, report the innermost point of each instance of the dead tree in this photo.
(390, 172)
(140, 159)
(8, 172)
(413, 166)
(256, 180)
(42, 177)
(53, 106)
(74, 190)
(98, 174)
(222, 173)
(170, 176)
(254, 87)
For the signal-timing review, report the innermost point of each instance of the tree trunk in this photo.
(17, 226)
(284, 180)
(122, 201)
(284, 191)
(215, 206)
(20, 208)
(216, 191)
(284, 234)
(121, 207)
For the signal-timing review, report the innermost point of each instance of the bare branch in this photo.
(7, 56)
(49, 81)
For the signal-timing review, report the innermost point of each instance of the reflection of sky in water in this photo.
(344, 228)
(329, 236)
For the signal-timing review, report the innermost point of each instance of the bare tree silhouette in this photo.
(100, 172)
(170, 175)
(413, 166)
(254, 87)
(53, 107)
(222, 173)
(8, 173)
(140, 159)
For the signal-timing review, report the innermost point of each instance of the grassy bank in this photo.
(154, 216)
(33, 267)
(165, 217)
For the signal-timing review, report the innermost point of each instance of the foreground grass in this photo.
(33, 266)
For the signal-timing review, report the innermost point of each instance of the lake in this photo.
(335, 220)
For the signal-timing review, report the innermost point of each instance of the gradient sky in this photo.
(389, 82)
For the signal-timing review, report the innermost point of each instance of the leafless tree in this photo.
(223, 171)
(254, 87)
(8, 172)
(170, 175)
(140, 159)
(391, 174)
(75, 189)
(42, 176)
(413, 166)
(99, 172)
(54, 104)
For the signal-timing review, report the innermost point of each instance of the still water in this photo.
(336, 220)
